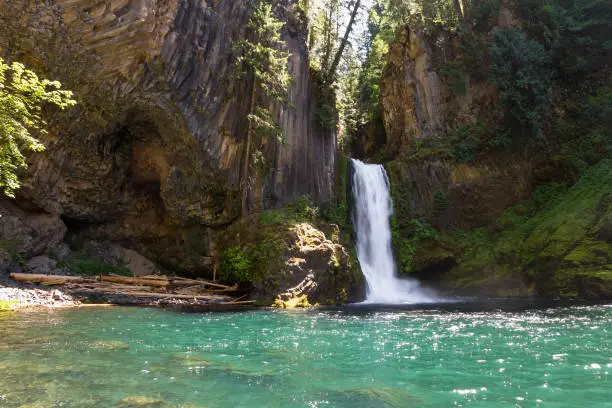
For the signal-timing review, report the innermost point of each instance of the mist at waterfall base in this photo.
(373, 208)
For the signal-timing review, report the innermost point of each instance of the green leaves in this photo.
(522, 72)
(264, 54)
(265, 126)
(22, 95)
(235, 265)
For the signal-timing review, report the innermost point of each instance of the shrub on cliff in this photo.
(521, 70)
(22, 95)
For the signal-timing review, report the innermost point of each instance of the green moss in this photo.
(7, 304)
(235, 265)
(300, 211)
(548, 239)
(590, 251)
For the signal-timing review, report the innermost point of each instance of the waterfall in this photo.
(373, 207)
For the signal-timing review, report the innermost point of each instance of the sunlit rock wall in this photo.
(151, 156)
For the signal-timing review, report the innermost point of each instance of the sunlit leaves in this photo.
(22, 95)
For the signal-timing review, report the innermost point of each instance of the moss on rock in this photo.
(552, 246)
(278, 249)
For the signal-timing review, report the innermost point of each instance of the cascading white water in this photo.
(371, 221)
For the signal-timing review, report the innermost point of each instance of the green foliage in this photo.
(521, 70)
(7, 304)
(502, 139)
(235, 265)
(250, 262)
(335, 213)
(484, 13)
(466, 141)
(267, 61)
(264, 54)
(576, 33)
(265, 126)
(324, 35)
(348, 101)
(585, 125)
(406, 237)
(326, 111)
(371, 73)
(437, 12)
(453, 72)
(301, 211)
(81, 266)
(22, 97)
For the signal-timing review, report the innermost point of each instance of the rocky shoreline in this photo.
(18, 295)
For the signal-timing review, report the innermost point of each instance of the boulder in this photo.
(29, 234)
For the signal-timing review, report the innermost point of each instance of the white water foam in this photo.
(371, 221)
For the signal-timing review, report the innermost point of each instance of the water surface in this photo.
(439, 356)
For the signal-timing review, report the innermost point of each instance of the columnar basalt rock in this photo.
(151, 156)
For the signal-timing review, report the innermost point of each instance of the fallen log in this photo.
(240, 298)
(62, 279)
(173, 296)
(154, 277)
(49, 279)
(242, 302)
(185, 281)
(135, 281)
(136, 287)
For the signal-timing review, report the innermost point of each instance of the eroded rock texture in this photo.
(151, 156)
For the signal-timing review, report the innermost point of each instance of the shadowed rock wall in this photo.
(151, 156)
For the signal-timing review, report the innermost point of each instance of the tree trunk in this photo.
(247, 153)
(331, 74)
(328, 38)
(459, 9)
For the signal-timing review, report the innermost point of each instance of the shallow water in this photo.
(477, 355)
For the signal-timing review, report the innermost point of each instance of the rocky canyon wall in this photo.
(472, 215)
(150, 158)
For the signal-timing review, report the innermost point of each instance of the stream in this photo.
(436, 355)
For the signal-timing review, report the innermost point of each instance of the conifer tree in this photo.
(265, 62)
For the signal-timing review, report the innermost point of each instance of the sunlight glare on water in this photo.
(354, 357)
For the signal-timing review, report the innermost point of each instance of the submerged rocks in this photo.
(140, 401)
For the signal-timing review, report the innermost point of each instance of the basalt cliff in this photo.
(146, 170)
(479, 207)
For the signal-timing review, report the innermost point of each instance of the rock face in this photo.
(286, 257)
(151, 156)
(472, 216)
(421, 112)
(410, 77)
(30, 234)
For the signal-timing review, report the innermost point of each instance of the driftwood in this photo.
(242, 302)
(48, 279)
(173, 296)
(135, 281)
(185, 281)
(146, 286)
